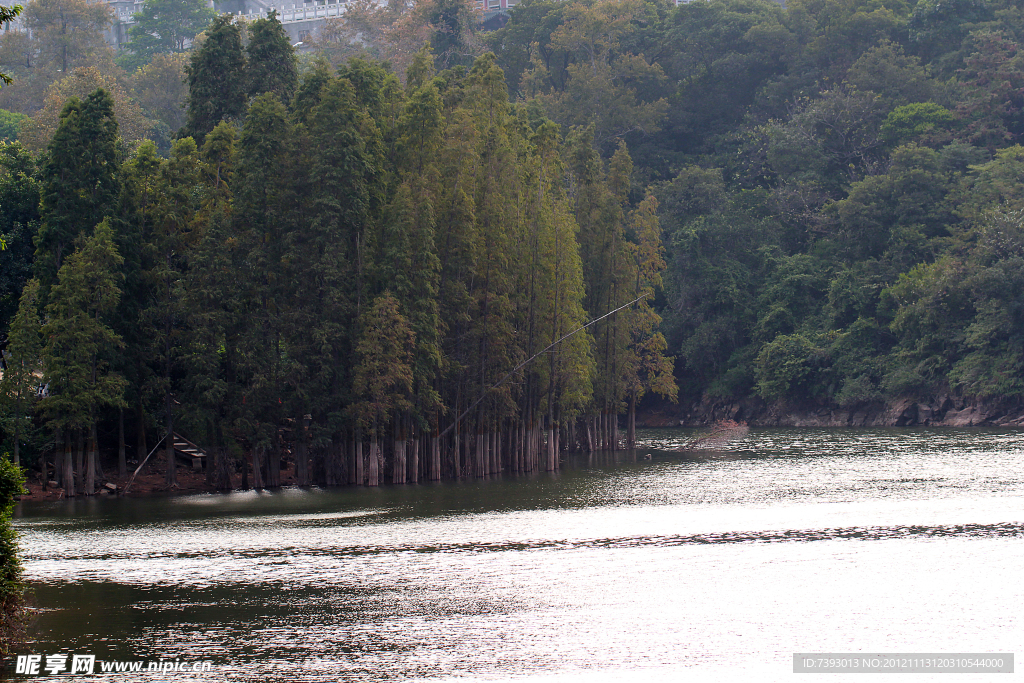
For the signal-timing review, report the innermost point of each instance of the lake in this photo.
(715, 565)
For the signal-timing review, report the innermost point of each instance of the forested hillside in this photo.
(840, 184)
(816, 205)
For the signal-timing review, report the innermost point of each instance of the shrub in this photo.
(12, 587)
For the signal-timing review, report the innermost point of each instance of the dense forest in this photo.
(386, 280)
(367, 257)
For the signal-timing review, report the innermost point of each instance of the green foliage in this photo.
(888, 71)
(383, 377)
(914, 122)
(166, 26)
(811, 203)
(216, 79)
(937, 26)
(79, 341)
(786, 366)
(10, 123)
(19, 222)
(23, 365)
(80, 180)
(12, 586)
(270, 59)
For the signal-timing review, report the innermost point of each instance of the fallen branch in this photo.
(722, 433)
(141, 465)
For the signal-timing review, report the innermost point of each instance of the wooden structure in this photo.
(189, 453)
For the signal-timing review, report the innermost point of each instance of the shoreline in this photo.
(150, 481)
(938, 411)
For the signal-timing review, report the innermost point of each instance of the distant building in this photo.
(299, 18)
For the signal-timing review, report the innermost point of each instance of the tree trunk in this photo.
(222, 465)
(371, 468)
(457, 450)
(222, 480)
(302, 457)
(257, 468)
(360, 462)
(90, 467)
(171, 480)
(79, 461)
(210, 461)
(551, 446)
(398, 446)
(68, 476)
(414, 458)
(172, 471)
(58, 457)
(435, 459)
(631, 424)
(274, 464)
(496, 450)
(42, 466)
(141, 449)
(615, 430)
(122, 462)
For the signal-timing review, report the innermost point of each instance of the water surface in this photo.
(716, 565)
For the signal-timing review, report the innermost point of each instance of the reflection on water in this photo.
(678, 566)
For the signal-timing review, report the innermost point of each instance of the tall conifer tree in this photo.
(215, 304)
(268, 180)
(81, 180)
(270, 59)
(23, 364)
(168, 246)
(216, 79)
(80, 341)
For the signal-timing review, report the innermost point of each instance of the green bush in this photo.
(10, 124)
(858, 391)
(12, 587)
(784, 365)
